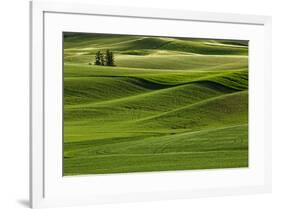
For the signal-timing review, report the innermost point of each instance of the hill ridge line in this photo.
(164, 135)
(190, 105)
(204, 79)
(164, 153)
(199, 69)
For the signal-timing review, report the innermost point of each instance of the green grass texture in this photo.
(168, 104)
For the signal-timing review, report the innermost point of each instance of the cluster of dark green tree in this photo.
(106, 58)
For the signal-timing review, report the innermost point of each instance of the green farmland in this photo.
(167, 104)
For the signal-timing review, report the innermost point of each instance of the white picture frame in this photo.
(48, 19)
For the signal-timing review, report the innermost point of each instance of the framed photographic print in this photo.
(133, 104)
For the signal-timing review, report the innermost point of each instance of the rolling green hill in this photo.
(168, 104)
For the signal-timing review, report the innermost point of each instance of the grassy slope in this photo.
(170, 104)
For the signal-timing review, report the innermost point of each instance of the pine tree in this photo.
(98, 58)
(102, 61)
(107, 57)
(111, 59)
